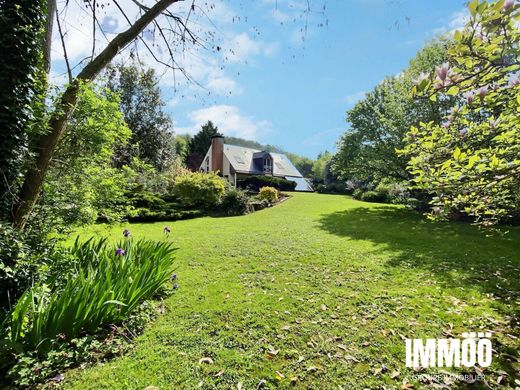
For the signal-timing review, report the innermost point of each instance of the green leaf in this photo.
(472, 6)
(453, 90)
(456, 153)
(472, 161)
(457, 36)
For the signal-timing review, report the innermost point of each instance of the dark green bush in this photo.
(373, 196)
(358, 192)
(254, 183)
(26, 257)
(147, 215)
(235, 202)
(332, 188)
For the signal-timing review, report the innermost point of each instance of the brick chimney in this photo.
(217, 153)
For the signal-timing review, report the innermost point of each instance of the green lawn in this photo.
(318, 291)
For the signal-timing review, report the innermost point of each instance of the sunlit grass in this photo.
(317, 292)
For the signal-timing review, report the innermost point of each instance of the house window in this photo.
(268, 165)
(207, 164)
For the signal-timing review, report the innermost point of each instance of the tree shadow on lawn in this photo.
(490, 264)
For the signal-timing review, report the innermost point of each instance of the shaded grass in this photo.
(322, 289)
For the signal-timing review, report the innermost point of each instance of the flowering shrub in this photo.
(469, 161)
(269, 194)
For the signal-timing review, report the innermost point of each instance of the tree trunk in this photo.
(47, 143)
(47, 37)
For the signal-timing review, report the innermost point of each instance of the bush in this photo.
(332, 188)
(26, 257)
(372, 196)
(254, 183)
(269, 194)
(150, 207)
(147, 215)
(358, 192)
(235, 202)
(382, 192)
(199, 189)
(105, 285)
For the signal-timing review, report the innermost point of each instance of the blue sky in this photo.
(268, 84)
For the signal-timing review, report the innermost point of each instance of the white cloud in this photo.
(229, 120)
(243, 48)
(457, 21)
(354, 98)
(224, 86)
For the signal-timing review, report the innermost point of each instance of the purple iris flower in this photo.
(167, 230)
(120, 252)
(174, 277)
(175, 286)
(126, 233)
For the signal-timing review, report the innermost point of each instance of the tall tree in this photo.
(199, 144)
(379, 122)
(142, 107)
(321, 169)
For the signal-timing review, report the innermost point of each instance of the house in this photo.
(234, 162)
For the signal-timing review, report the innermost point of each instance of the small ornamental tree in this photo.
(198, 189)
(470, 161)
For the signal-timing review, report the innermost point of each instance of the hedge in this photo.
(254, 183)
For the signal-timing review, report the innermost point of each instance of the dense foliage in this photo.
(381, 119)
(21, 31)
(26, 257)
(199, 189)
(234, 202)
(152, 139)
(254, 183)
(269, 194)
(82, 184)
(469, 161)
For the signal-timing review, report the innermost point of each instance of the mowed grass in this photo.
(317, 293)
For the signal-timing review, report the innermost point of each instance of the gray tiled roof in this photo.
(247, 160)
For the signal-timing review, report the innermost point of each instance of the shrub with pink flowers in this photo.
(470, 160)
